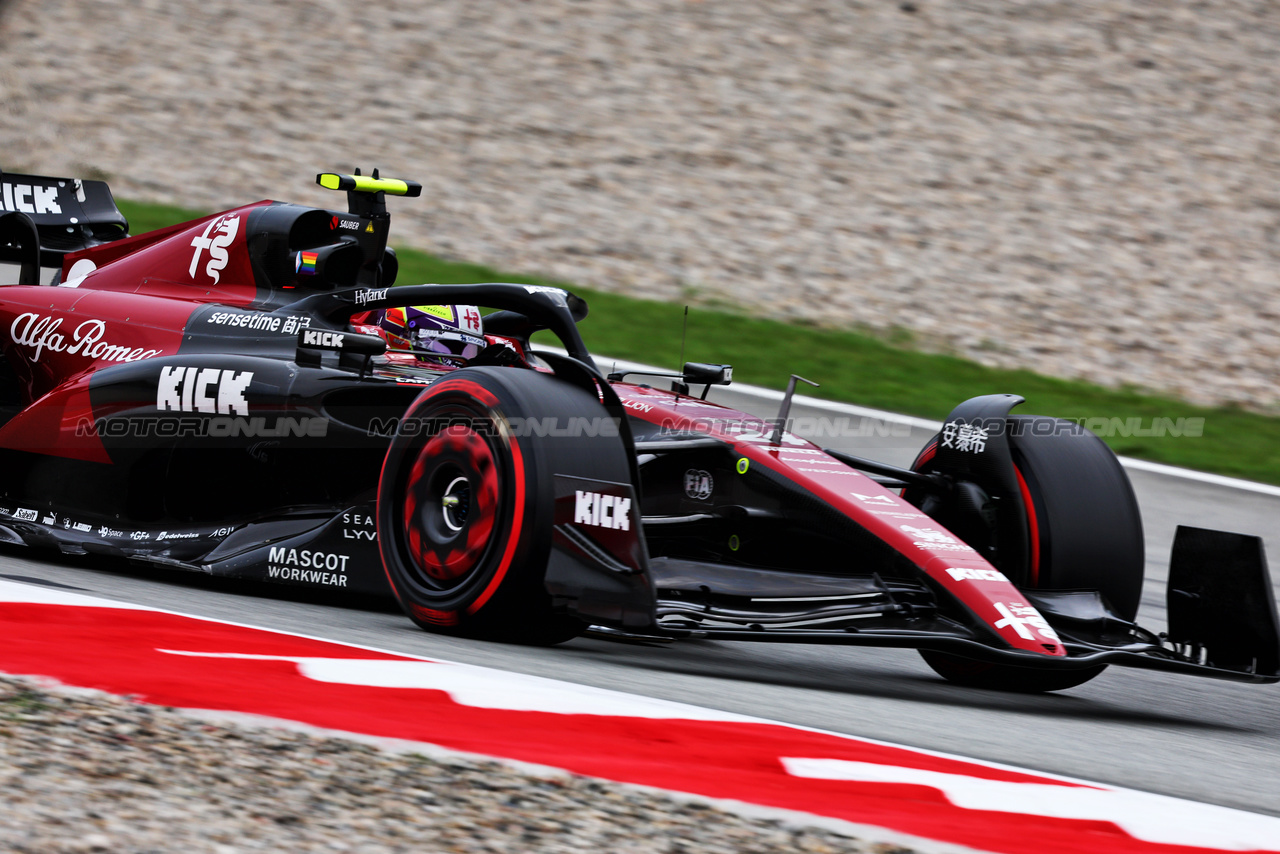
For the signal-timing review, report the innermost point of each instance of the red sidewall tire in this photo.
(466, 503)
(460, 424)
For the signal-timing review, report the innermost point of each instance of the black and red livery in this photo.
(198, 397)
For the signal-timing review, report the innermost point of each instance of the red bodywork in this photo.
(132, 299)
(107, 313)
(951, 563)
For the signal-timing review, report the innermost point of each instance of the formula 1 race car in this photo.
(247, 395)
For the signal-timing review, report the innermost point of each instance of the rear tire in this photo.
(465, 503)
(1086, 534)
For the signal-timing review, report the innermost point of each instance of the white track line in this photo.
(607, 364)
(1155, 818)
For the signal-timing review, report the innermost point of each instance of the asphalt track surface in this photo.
(1202, 739)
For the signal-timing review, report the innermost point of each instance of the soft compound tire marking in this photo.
(188, 662)
(479, 392)
(517, 524)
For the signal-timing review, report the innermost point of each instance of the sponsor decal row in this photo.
(358, 526)
(26, 514)
(307, 566)
(211, 390)
(935, 540)
(87, 340)
(30, 198)
(339, 223)
(320, 338)
(258, 321)
(285, 564)
(965, 437)
(964, 573)
(887, 505)
(601, 510)
(888, 500)
(633, 399)
(368, 295)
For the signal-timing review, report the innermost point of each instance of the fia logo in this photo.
(698, 484)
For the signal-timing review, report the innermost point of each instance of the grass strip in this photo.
(863, 369)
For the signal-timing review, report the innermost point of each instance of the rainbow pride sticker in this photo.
(306, 263)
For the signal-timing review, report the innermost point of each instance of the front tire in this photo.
(465, 502)
(1085, 534)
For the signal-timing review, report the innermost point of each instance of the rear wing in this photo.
(43, 219)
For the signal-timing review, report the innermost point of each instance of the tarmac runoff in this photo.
(882, 794)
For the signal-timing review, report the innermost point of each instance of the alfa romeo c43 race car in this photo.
(247, 395)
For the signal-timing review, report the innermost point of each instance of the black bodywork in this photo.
(253, 446)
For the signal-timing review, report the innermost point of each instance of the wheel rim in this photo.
(455, 503)
(451, 504)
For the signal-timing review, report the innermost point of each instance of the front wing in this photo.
(1222, 613)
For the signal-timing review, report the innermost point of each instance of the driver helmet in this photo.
(442, 336)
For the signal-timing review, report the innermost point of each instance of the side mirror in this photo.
(354, 349)
(694, 373)
(697, 373)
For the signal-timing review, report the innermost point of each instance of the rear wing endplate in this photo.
(67, 214)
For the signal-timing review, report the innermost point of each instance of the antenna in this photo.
(680, 386)
(684, 335)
